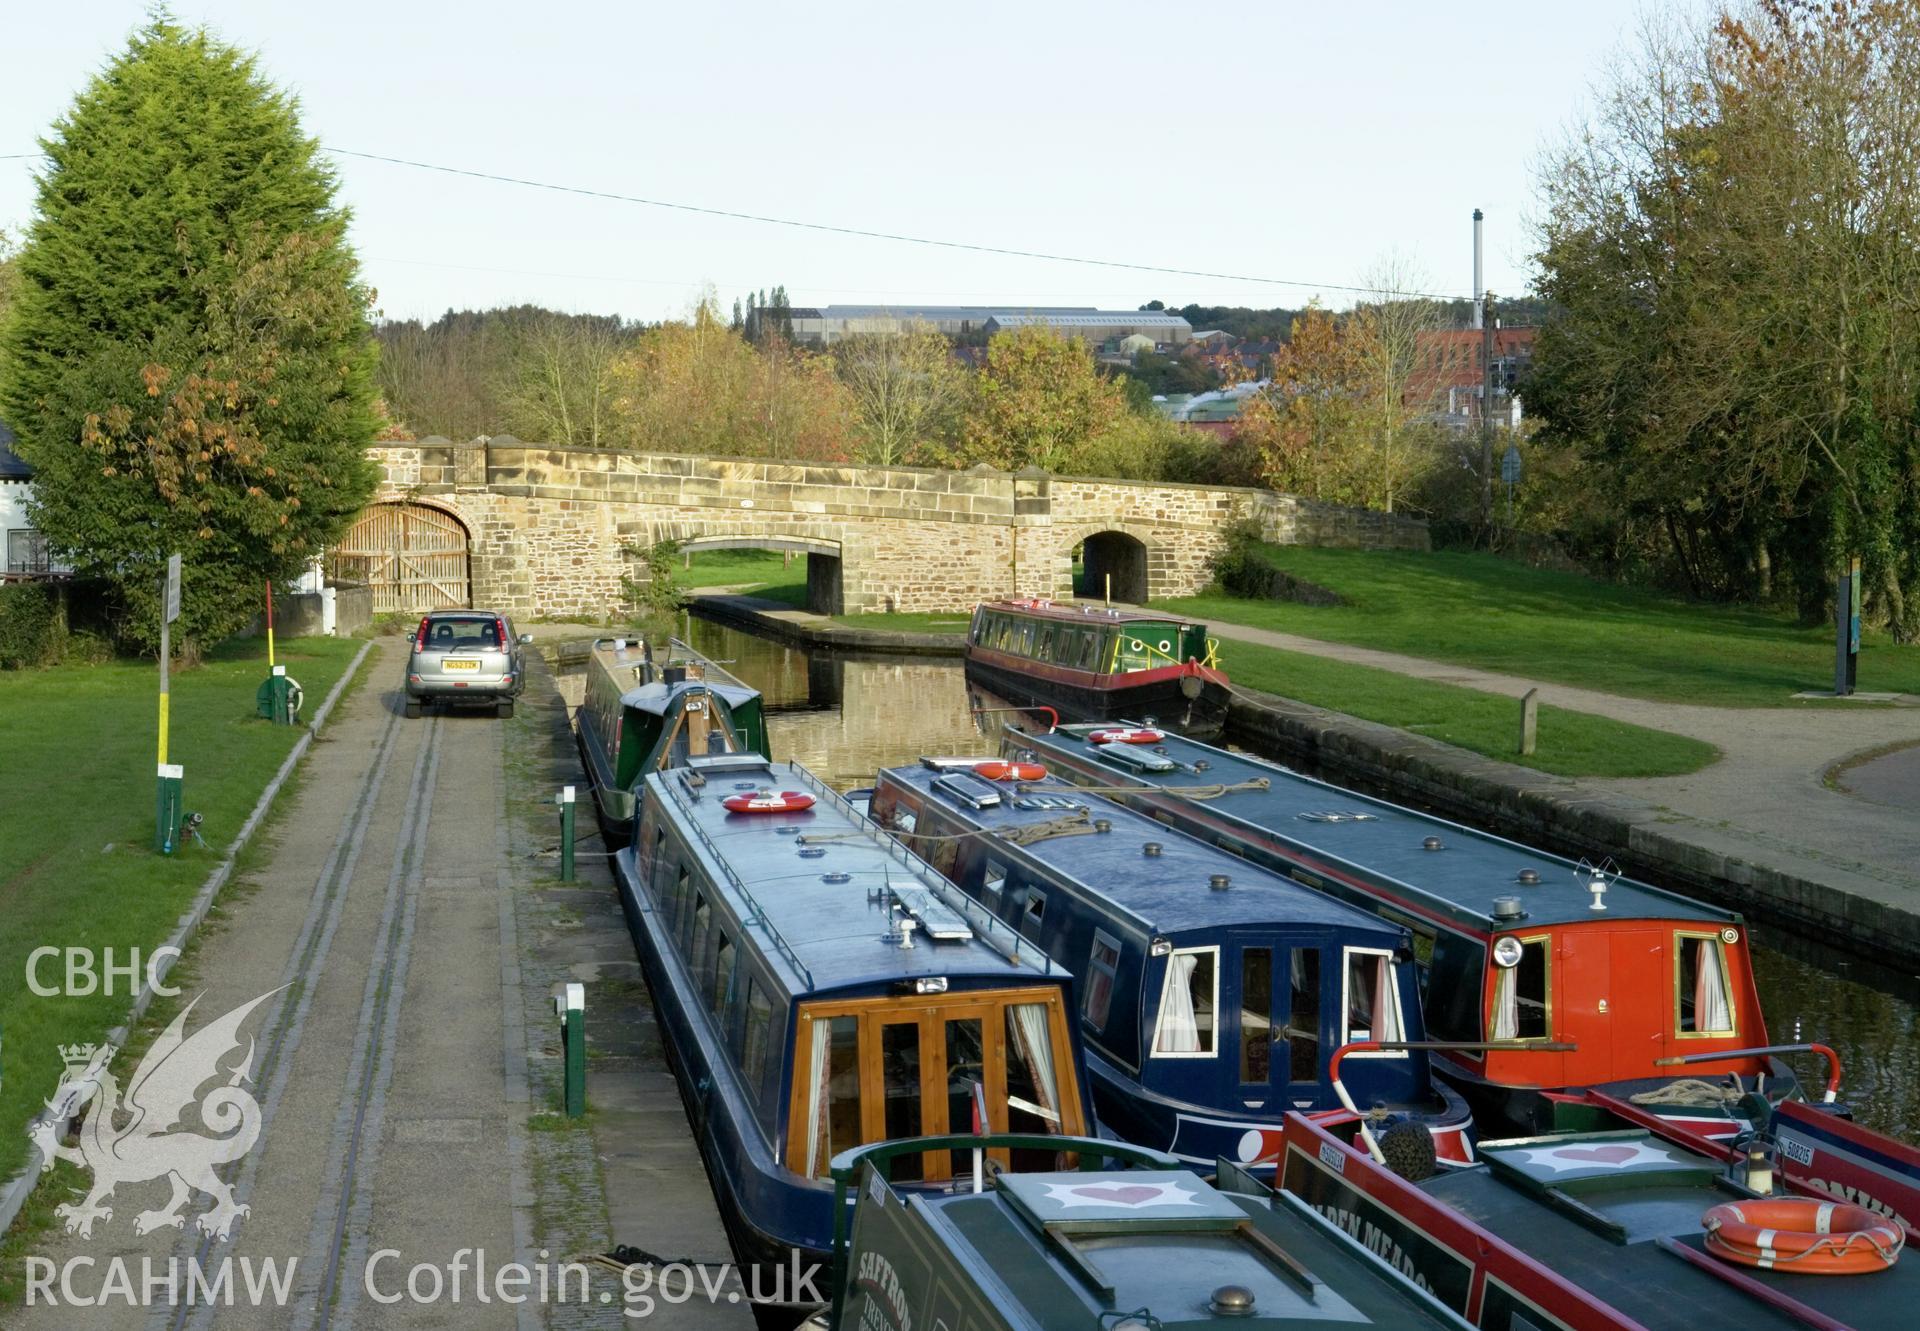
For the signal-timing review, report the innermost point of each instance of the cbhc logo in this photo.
(84, 978)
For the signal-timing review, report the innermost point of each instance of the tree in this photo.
(1386, 334)
(558, 386)
(188, 363)
(907, 390)
(1735, 347)
(1307, 428)
(1037, 400)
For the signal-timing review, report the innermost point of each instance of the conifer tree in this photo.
(187, 360)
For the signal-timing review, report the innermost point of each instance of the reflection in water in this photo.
(845, 719)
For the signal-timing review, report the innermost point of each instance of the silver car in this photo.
(466, 658)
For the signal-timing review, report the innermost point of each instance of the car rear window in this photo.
(479, 632)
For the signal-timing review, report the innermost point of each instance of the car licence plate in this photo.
(459, 665)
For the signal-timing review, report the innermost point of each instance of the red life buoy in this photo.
(999, 771)
(1803, 1235)
(768, 801)
(1131, 735)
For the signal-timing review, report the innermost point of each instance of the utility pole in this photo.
(1486, 415)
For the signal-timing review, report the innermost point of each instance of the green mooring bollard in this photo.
(571, 1004)
(566, 834)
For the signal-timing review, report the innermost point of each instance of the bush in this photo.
(1240, 569)
(33, 626)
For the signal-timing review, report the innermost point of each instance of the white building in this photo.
(26, 549)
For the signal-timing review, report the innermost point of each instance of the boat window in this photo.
(1703, 1004)
(833, 1111)
(1256, 1014)
(722, 977)
(1303, 1015)
(753, 1047)
(902, 820)
(1089, 648)
(1373, 996)
(1034, 915)
(900, 1085)
(1522, 1006)
(1043, 649)
(990, 885)
(1003, 633)
(1024, 639)
(872, 1069)
(1187, 999)
(1455, 982)
(697, 951)
(1103, 964)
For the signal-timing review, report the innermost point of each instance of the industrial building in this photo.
(824, 325)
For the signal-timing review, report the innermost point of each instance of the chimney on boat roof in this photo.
(1219, 882)
(1508, 908)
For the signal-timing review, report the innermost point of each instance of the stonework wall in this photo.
(548, 524)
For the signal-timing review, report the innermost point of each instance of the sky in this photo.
(1300, 143)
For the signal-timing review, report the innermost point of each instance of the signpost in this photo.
(167, 801)
(1846, 623)
(1510, 475)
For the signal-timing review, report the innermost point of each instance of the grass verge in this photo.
(1567, 743)
(1494, 613)
(77, 868)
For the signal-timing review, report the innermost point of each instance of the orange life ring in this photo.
(1131, 735)
(1803, 1235)
(999, 771)
(767, 801)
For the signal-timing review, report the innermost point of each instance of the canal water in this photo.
(845, 718)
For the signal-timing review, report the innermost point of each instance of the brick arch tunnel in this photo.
(825, 589)
(1113, 566)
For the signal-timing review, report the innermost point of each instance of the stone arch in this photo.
(413, 555)
(1127, 557)
(826, 594)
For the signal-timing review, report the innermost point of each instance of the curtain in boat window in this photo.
(1710, 1011)
(1178, 1030)
(1506, 1004)
(817, 1144)
(1386, 1011)
(1028, 1022)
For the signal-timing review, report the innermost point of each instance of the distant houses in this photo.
(26, 549)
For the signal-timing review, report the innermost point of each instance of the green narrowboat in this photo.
(637, 718)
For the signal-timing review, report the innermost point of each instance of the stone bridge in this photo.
(549, 531)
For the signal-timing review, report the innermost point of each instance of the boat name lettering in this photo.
(877, 1276)
(1375, 1240)
(1333, 1157)
(1846, 1192)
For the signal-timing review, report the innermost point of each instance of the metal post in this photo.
(270, 627)
(1529, 718)
(571, 1006)
(1486, 413)
(1846, 629)
(566, 834)
(166, 805)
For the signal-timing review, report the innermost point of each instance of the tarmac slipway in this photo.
(406, 932)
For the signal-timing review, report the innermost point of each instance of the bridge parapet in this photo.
(550, 526)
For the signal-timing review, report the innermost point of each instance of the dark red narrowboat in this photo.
(1100, 663)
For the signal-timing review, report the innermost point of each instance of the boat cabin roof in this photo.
(658, 698)
(1068, 1250)
(821, 890)
(1168, 893)
(628, 660)
(1607, 1209)
(1376, 841)
(1083, 612)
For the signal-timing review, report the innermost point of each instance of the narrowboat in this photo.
(1103, 1250)
(1656, 1225)
(817, 988)
(1215, 995)
(1098, 663)
(1573, 975)
(635, 718)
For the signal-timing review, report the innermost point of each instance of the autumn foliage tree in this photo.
(187, 360)
(1038, 401)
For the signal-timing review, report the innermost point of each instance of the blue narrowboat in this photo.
(634, 719)
(1547, 977)
(1216, 996)
(818, 988)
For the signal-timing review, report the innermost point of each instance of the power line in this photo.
(864, 234)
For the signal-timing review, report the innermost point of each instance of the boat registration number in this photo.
(459, 665)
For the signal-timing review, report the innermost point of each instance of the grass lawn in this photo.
(1481, 610)
(76, 864)
(1566, 743)
(760, 573)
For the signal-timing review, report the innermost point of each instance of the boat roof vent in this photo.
(1508, 908)
(936, 918)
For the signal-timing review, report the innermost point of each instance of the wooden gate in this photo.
(413, 558)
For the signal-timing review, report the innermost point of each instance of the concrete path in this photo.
(396, 1070)
(1768, 800)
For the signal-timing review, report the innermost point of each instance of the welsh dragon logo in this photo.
(140, 1138)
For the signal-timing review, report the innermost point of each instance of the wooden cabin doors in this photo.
(1611, 990)
(1275, 1042)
